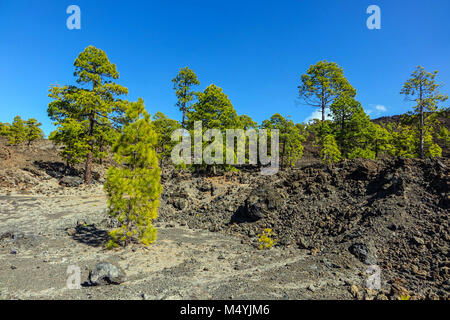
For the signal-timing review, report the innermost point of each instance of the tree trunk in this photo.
(422, 153)
(88, 168)
(323, 105)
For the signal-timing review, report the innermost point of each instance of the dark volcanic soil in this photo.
(393, 214)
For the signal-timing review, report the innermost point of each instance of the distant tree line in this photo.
(351, 134)
(22, 131)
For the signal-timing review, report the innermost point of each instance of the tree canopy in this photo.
(92, 110)
(322, 84)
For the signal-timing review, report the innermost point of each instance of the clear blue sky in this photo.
(255, 50)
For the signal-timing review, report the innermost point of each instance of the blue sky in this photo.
(255, 50)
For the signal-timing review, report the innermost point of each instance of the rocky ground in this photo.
(333, 227)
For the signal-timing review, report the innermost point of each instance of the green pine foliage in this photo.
(424, 91)
(21, 131)
(352, 128)
(322, 84)
(94, 104)
(4, 129)
(182, 84)
(33, 131)
(330, 153)
(291, 138)
(247, 122)
(17, 131)
(71, 134)
(164, 127)
(215, 111)
(133, 187)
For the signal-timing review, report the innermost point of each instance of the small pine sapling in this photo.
(133, 187)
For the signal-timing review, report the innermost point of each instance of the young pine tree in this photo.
(164, 127)
(4, 129)
(352, 128)
(133, 188)
(33, 131)
(17, 131)
(215, 111)
(330, 152)
(291, 139)
(402, 140)
(71, 134)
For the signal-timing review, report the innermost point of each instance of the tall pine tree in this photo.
(423, 89)
(182, 84)
(94, 105)
(322, 84)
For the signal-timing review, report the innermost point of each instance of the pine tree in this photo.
(94, 105)
(352, 128)
(71, 133)
(380, 139)
(4, 129)
(247, 122)
(164, 127)
(17, 131)
(291, 138)
(215, 111)
(134, 188)
(330, 152)
(322, 84)
(33, 131)
(402, 140)
(182, 84)
(423, 89)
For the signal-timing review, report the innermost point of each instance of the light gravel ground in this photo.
(36, 250)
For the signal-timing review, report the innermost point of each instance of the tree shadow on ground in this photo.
(91, 235)
(56, 169)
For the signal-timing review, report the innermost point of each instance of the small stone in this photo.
(311, 288)
(71, 232)
(418, 241)
(106, 273)
(381, 296)
(70, 181)
(398, 291)
(362, 252)
(302, 244)
(392, 227)
(221, 257)
(14, 251)
(354, 291)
